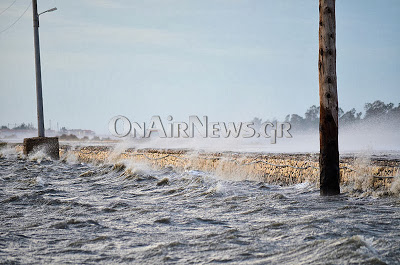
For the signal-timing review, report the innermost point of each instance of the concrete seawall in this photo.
(282, 169)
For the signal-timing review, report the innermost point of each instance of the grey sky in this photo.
(229, 59)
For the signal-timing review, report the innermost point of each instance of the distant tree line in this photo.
(23, 126)
(377, 113)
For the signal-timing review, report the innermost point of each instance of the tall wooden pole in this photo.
(328, 123)
(39, 97)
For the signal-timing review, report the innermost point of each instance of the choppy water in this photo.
(55, 212)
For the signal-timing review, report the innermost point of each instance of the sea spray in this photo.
(363, 179)
(282, 169)
(9, 151)
(395, 186)
(39, 155)
(70, 158)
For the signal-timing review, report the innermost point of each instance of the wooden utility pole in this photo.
(328, 121)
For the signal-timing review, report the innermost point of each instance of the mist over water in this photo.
(66, 211)
(352, 139)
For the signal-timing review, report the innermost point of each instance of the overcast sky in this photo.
(229, 59)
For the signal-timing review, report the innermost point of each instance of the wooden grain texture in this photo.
(328, 128)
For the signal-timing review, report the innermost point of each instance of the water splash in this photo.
(39, 155)
(395, 186)
(363, 180)
(70, 158)
(9, 152)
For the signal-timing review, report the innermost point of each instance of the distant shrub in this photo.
(71, 137)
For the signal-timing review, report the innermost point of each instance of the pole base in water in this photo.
(50, 146)
(329, 192)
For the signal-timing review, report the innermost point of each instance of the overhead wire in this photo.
(8, 7)
(17, 19)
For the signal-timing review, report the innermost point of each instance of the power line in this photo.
(16, 20)
(8, 7)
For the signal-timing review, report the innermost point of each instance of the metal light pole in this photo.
(39, 97)
(49, 145)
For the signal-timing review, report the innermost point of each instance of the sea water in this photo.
(70, 212)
